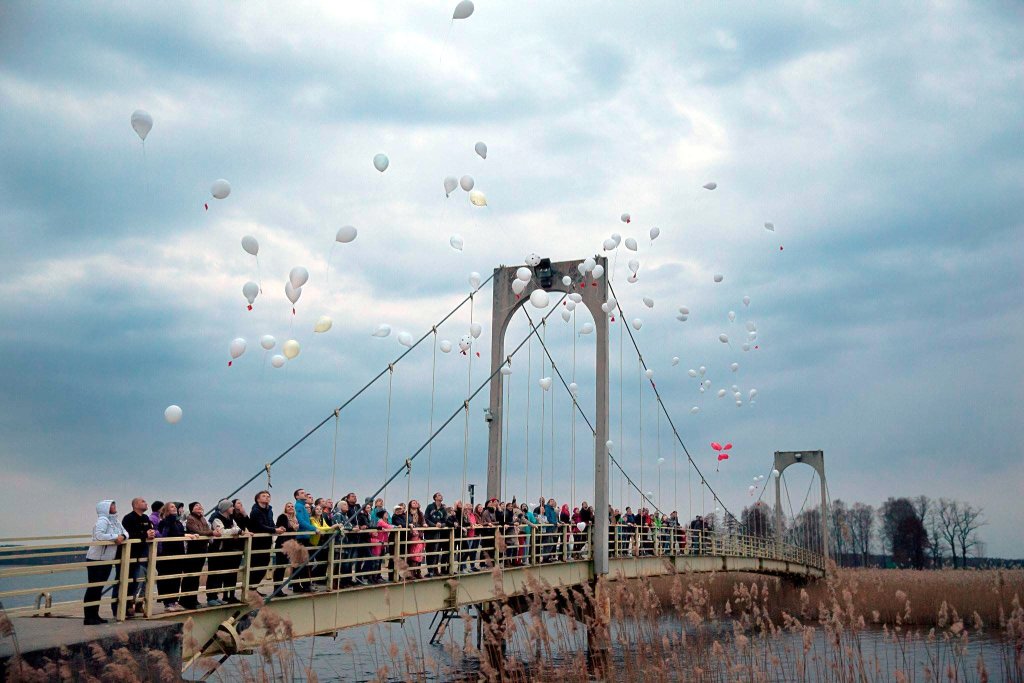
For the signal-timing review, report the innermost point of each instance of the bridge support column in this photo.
(492, 635)
(597, 618)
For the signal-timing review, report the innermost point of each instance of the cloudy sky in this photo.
(885, 144)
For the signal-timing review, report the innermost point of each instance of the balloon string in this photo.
(259, 277)
(330, 255)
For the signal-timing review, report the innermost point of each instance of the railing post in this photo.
(453, 568)
(396, 574)
(246, 561)
(331, 547)
(150, 589)
(125, 579)
(565, 543)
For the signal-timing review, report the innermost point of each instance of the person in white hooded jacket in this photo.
(108, 528)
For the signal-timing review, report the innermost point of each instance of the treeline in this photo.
(918, 532)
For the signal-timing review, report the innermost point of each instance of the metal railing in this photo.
(146, 573)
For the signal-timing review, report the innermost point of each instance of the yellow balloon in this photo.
(477, 198)
(323, 324)
(290, 349)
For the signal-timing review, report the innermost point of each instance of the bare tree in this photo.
(861, 525)
(949, 514)
(969, 520)
(839, 529)
(933, 525)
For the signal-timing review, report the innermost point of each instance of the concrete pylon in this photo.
(548, 276)
(815, 459)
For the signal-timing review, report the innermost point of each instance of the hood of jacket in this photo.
(103, 510)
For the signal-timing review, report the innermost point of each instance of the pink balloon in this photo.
(726, 446)
(717, 446)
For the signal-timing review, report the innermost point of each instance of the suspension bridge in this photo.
(351, 578)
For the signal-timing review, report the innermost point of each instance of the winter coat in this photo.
(107, 528)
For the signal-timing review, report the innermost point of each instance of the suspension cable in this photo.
(358, 393)
(661, 403)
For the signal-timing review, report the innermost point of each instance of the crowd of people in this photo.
(370, 542)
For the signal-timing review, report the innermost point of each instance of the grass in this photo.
(857, 625)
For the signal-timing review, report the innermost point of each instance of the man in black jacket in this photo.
(139, 527)
(436, 517)
(261, 523)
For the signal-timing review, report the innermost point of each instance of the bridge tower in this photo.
(548, 276)
(815, 459)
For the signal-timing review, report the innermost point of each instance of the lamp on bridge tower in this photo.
(552, 276)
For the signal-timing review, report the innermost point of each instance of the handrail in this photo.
(358, 556)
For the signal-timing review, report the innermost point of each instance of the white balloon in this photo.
(682, 318)
(732, 316)
(250, 290)
(466, 182)
(609, 245)
(735, 388)
(606, 307)
(250, 245)
(292, 293)
(661, 461)
(751, 489)
(598, 272)
(734, 367)
(634, 266)
(445, 346)
(570, 305)
(589, 264)
(587, 328)
(612, 302)
(752, 394)
(518, 286)
(475, 330)
(450, 183)
(405, 339)
(290, 349)
(268, 342)
(625, 218)
(533, 260)
(220, 189)
(576, 297)
(721, 393)
(323, 323)
(298, 276)
(566, 315)
(691, 372)
(474, 280)
(710, 186)
(751, 326)
(506, 370)
(695, 409)
(630, 244)
(463, 10)
(702, 370)
(545, 383)
(381, 162)
(637, 323)
(719, 277)
(481, 149)
(477, 198)
(237, 347)
(724, 338)
(609, 445)
(746, 301)
(539, 298)
(746, 347)
(566, 281)
(142, 123)
(739, 403)
(277, 361)
(775, 473)
(648, 302)
(617, 238)
(382, 330)
(675, 361)
(683, 310)
(456, 242)
(770, 227)
(573, 388)
(464, 345)
(649, 373)
(524, 274)
(346, 234)
(751, 336)
(172, 413)
(654, 233)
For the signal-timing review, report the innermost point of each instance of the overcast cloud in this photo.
(885, 143)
